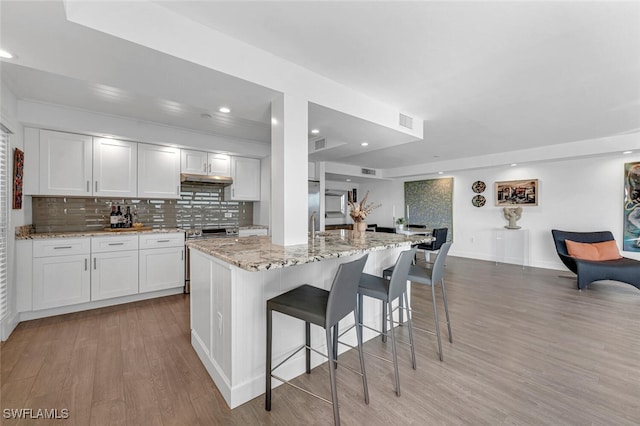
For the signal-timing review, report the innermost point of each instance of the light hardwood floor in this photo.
(528, 349)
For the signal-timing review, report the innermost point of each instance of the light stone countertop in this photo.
(79, 234)
(260, 254)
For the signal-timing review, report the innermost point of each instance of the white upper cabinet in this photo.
(65, 164)
(158, 171)
(219, 165)
(115, 166)
(204, 163)
(194, 162)
(246, 180)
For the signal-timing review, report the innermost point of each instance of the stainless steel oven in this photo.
(201, 234)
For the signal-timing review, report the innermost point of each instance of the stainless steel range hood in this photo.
(210, 179)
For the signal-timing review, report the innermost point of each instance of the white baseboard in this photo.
(7, 326)
(26, 316)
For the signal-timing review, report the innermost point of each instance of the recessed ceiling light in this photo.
(224, 109)
(365, 144)
(440, 173)
(627, 152)
(513, 164)
(348, 180)
(6, 55)
(315, 131)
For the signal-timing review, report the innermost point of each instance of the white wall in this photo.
(16, 217)
(344, 186)
(577, 195)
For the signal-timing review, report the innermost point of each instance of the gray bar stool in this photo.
(387, 291)
(431, 277)
(323, 308)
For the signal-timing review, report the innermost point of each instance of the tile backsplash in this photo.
(199, 206)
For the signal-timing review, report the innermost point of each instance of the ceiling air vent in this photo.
(369, 172)
(321, 144)
(406, 121)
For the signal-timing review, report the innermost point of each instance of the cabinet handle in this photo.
(209, 167)
(96, 186)
(62, 247)
(163, 241)
(85, 263)
(181, 254)
(116, 244)
(94, 263)
(88, 188)
(205, 167)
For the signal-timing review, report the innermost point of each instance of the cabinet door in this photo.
(60, 281)
(219, 165)
(194, 162)
(246, 179)
(158, 171)
(115, 166)
(161, 268)
(114, 274)
(65, 164)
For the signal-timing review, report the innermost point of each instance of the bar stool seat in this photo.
(325, 309)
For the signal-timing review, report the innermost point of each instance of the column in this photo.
(289, 170)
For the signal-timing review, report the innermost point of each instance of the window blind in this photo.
(4, 213)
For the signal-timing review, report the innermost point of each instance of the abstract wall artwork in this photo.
(631, 210)
(430, 202)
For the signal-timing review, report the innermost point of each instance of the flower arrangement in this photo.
(359, 211)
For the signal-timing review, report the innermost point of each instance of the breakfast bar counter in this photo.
(231, 280)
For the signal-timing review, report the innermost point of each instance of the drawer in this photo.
(159, 240)
(61, 247)
(114, 243)
(252, 232)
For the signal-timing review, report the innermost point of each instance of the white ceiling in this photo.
(488, 77)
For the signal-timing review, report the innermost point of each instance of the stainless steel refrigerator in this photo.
(314, 204)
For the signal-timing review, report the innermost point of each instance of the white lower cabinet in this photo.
(114, 266)
(114, 274)
(61, 274)
(162, 266)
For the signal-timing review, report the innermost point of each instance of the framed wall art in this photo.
(631, 210)
(517, 192)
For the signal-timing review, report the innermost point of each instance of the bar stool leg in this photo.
(435, 314)
(307, 334)
(395, 354)
(410, 324)
(332, 377)
(335, 345)
(361, 353)
(446, 310)
(384, 322)
(267, 395)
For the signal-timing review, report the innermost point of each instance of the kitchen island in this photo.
(231, 280)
